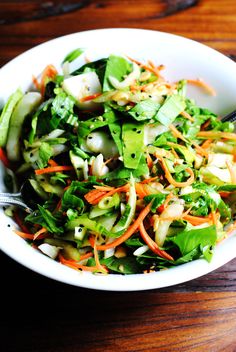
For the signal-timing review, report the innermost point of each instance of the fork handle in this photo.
(6, 200)
(231, 117)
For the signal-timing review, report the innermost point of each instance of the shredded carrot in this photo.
(129, 232)
(43, 232)
(187, 116)
(49, 72)
(152, 69)
(93, 197)
(4, 158)
(205, 125)
(104, 188)
(206, 144)
(53, 169)
(58, 206)
(232, 172)
(74, 265)
(176, 133)
(197, 220)
(90, 97)
(140, 190)
(52, 163)
(20, 222)
(224, 194)
(149, 161)
(174, 153)
(24, 235)
(170, 178)
(199, 149)
(167, 200)
(100, 267)
(86, 256)
(217, 135)
(200, 83)
(214, 217)
(151, 244)
(149, 180)
(36, 82)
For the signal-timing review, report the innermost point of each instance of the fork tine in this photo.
(231, 117)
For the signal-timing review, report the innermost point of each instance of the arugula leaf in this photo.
(116, 67)
(45, 153)
(158, 200)
(145, 110)
(62, 109)
(171, 108)
(133, 143)
(204, 239)
(124, 173)
(98, 66)
(70, 200)
(37, 123)
(44, 218)
(126, 265)
(73, 55)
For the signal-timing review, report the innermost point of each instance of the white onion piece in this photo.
(174, 210)
(128, 80)
(139, 251)
(98, 166)
(49, 250)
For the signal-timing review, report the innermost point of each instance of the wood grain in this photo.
(209, 21)
(49, 316)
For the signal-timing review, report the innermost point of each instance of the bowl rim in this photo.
(117, 282)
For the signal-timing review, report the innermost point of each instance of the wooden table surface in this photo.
(39, 314)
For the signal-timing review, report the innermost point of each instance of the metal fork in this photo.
(231, 117)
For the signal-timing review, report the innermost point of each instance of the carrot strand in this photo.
(151, 244)
(129, 232)
(53, 169)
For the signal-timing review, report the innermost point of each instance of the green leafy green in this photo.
(73, 55)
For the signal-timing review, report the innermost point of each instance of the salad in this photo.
(126, 173)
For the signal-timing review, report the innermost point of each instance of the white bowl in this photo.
(183, 58)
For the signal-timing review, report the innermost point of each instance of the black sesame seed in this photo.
(133, 155)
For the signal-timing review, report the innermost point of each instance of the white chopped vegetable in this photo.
(80, 232)
(81, 86)
(98, 167)
(80, 165)
(215, 175)
(24, 107)
(49, 250)
(219, 159)
(141, 250)
(173, 210)
(152, 131)
(100, 142)
(132, 204)
(186, 190)
(109, 252)
(54, 134)
(128, 80)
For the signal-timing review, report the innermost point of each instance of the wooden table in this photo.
(43, 315)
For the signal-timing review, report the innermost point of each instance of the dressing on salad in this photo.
(131, 176)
